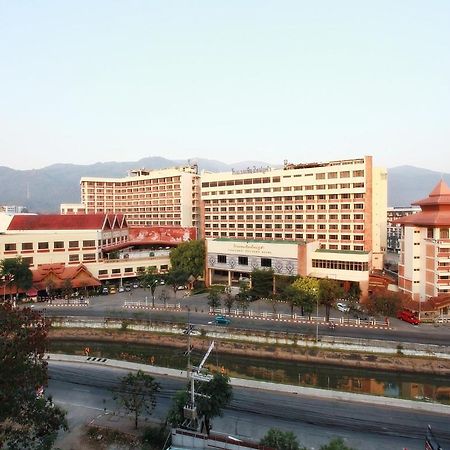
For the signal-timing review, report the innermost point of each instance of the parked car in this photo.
(112, 290)
(222, 320)
(127, 287)
(121, 289)
(105, 290)
(408, 316)
(135, 285)
(342, 307)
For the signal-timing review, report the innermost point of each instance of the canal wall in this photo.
(263, 385)
(349, 352)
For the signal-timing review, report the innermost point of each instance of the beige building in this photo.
(146, 197)
(330, 217)
(75, 239)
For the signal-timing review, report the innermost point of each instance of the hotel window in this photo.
(333, 237)
(115, 271)
(74, 258)
(358, 248)
(266, 262)
(298, 236)
(443, 233)
(310, 236)
(102, 272)
(89, 243)
(243, 260)
(430, 233)
(27, 246)
(321, 236)
(332, 175)
(74, 244)
(89, 257)
(358, 237)
(222, 259)
(345, 174)
(42, 245)
(358, 173)
(358, 217)
(58, 244)
(10, 247)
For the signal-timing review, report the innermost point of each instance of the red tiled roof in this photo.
(435, 209)
(59, 222)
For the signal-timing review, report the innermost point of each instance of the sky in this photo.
(236, 80)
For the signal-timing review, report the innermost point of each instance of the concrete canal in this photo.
(412, 386)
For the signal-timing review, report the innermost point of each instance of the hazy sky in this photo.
(87, 81)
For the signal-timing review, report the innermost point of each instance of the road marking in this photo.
(79, 405)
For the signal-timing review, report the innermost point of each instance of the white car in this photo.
(342, 307)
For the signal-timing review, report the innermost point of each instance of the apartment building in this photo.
(424, 265)
(147, 197)
(335, 211)
(394, 229)
(72, 240)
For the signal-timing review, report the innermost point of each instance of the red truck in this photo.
(408, 316)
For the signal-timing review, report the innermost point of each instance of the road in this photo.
(112, 308)
(85, 391)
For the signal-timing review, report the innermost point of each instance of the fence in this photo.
(148, 305)
(296, 317)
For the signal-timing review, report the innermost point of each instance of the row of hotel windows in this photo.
(285, 236)
(105, 196)
(87, 257)
(297, 198)
(312, 187)
(132, 183)
(118, 271)
(308, 236)
(243, 261)
(340, 265)
(61, 245)
(309, 207)
(277, 179)
(287, 226)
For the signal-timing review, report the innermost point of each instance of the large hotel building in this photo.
(156, 197)
(329, 217)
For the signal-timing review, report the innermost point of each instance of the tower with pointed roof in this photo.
(424, 267)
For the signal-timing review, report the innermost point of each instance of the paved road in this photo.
(85, 392)
(111, 306)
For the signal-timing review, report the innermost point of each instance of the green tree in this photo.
(214, 395)
(27, 420)
(385, 303)
(329, 291)
(291, 295)
(262, 283)
(137, 393)
(353, 295)
(281, 440)
(189, 257)
(18, 272)
(150, 280)
(308, 289)
(176, 278)
(213, 297)
(50, 287)
(67, 287)
(336, 444)
(229, 299)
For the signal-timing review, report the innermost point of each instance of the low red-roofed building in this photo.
(69, 242)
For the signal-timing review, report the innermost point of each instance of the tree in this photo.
(67, 287)
(329, 291)
(150, 279)
(335, 444)
(18, 271)
(26, 419)
(385, 303)
(262, 283)
(214, 395)
(292, 296)
(281, 440)
(214, 296)
(353, 295)
(50, 287)
(176, 278)
(308, 289)
(189, 257)
(229, 299)
(137, 393)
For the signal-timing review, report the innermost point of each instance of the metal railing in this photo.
(236, 312)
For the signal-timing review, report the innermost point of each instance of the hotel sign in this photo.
(252, 248)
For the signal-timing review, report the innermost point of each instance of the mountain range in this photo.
(43, 190)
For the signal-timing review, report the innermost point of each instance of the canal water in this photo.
(422, 387)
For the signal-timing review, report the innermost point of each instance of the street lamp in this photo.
(317, 319)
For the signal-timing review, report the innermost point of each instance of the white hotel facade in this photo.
(156, 197)
(317, 219)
